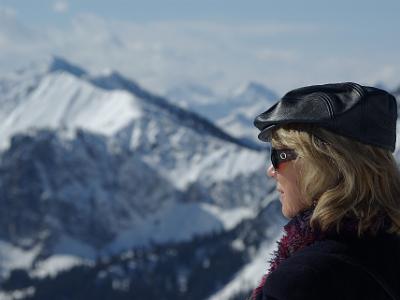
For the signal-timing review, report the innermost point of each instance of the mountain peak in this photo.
(255, 89)
(112, 80)
(60, 64)
(253, 92)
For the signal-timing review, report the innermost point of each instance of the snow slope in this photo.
(106, 166)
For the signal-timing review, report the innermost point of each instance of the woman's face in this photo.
(287, 184)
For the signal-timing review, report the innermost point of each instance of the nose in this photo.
(271, 171)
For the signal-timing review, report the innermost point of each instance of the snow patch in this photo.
(229, 217)
(18, 294)
(175, 222)
(250, 275)
(55, 264)
(13, 257)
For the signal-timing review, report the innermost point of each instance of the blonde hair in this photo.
(343, 178)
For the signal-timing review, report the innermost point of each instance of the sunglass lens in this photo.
(274, 158)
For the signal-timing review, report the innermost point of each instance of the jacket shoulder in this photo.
(294, 280)
(317, 271)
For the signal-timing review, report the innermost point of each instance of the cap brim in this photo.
(265, 134)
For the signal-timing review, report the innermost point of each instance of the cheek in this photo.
(292, 203)
(292, 199)
(294, 189)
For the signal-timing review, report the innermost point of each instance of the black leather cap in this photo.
(364, 113)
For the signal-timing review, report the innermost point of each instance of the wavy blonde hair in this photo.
(343, 178)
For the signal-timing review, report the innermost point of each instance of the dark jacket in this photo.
(339, 268)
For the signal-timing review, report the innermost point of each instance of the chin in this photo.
(288, 214)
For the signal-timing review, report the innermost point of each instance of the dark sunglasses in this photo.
(279, 156)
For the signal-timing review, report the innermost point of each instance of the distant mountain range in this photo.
(108, 186)
(94, 165)
(233, 113)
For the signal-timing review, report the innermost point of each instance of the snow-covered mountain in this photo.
(118, 108)
(233, 113)
(93, 165)
(244, 104)
(115, 185)
(222, 266)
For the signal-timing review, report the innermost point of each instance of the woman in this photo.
(340, 187)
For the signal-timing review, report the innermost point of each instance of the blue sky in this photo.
(221, 44)
(353, 13)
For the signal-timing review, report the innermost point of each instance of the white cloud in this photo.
(220, 55)
(161, 54)
(7, 12)
(60, 6)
